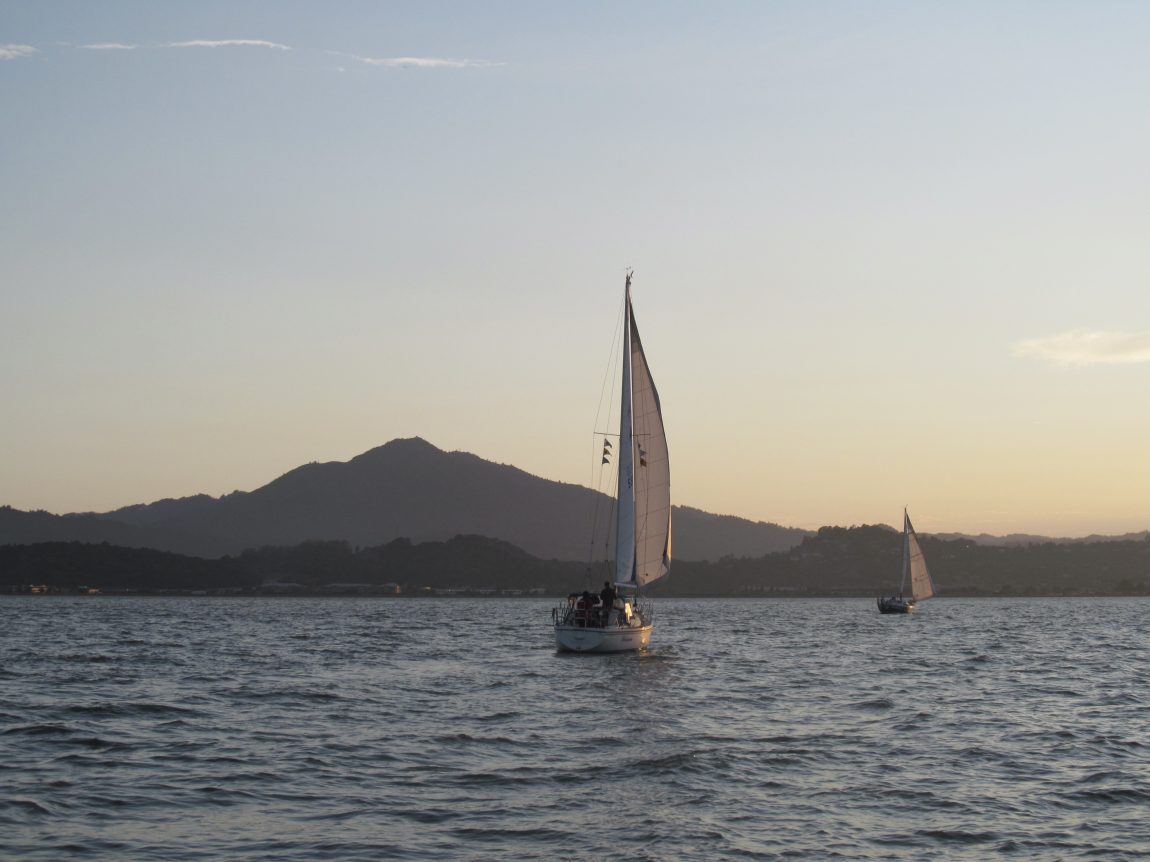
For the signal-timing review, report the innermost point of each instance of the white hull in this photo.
(609, 639)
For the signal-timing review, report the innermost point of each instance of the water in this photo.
(284, 729)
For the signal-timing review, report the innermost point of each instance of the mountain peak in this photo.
(401, 446)
(409, 443)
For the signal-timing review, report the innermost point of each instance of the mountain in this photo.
(404, 489)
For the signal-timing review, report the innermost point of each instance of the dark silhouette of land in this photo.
(1031, 539)
(837, 561)
(404, 489)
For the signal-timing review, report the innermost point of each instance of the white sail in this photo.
(921, 586)
(644, 531)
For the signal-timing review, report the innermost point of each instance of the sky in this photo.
(885, 253)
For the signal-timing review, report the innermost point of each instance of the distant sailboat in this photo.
(914, 565)
(616, 620)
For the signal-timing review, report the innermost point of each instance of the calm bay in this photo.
(315, 729)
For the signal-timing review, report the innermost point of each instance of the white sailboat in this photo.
(617, 619)
(914, 566)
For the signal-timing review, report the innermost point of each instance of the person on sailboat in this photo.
(583, 610)
(608, 595)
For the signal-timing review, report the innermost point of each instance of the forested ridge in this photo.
(837, 561)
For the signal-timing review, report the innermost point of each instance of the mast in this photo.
(905, 551)
(625, 510)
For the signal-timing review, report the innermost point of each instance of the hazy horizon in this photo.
(885, 255)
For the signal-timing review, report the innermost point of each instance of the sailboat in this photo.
(914, 566)
(618, 619)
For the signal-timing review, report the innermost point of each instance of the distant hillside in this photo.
(837, 561)
(464, 562)
(867, 561)
(17, 527)
(1029, 539)
(75, 566)
(699, 535)
(403, 489)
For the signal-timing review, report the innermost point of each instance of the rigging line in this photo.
(609, 487)
(603, 489)
(595, 505)
(610, 520)
(609, 369)
(597, 483)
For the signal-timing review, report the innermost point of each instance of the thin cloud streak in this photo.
(1080, 347)
(426, 62)
(16, 52)
(227, 43)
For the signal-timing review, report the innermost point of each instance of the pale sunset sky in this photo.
(885, 253)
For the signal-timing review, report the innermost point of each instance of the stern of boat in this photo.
(895, 606)
(582, 629)
(613, 639)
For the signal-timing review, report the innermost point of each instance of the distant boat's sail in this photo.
(921, 586)
(643, 520)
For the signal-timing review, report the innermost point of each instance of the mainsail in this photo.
(643, 516)
(921, 586)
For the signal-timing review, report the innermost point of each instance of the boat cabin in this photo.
(586, 610)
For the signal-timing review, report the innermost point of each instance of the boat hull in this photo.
(609, 639)
(895, 606)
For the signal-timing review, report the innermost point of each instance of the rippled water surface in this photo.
(281, 729)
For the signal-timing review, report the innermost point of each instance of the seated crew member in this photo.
(607, 594)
